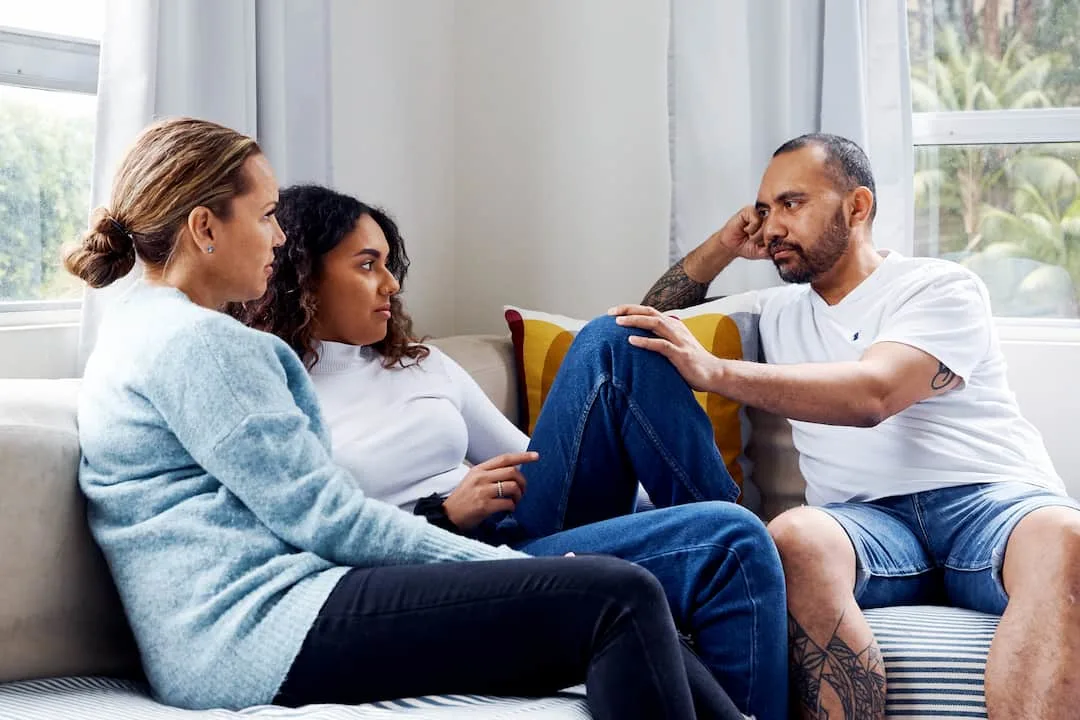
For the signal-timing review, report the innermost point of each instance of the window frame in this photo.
(23, 313)
(43, 61)
(1006, 127)
(996, 127)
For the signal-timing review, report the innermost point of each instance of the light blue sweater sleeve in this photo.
(248, 420)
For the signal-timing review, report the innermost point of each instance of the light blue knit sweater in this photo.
(211, 491)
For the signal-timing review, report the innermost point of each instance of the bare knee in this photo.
(815, 551)
(1043, 556)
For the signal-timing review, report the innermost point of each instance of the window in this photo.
(48, 79)
(995, 92)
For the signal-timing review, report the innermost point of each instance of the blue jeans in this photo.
(617, 415)
(940, 547)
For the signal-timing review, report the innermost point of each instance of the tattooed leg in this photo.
(836, 669)
(836, 677)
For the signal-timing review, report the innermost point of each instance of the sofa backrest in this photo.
(59, 611)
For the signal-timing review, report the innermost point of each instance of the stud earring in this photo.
(209, 249)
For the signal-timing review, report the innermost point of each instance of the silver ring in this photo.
(498, 488)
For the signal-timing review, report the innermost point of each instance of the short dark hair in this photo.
(845, 160)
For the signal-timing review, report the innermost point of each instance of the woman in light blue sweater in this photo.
(239, 547)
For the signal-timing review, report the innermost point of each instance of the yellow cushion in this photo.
(727, 327)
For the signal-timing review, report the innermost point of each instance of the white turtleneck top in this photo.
(405, 433)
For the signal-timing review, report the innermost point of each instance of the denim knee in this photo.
(604, 331)
(748, 527)
(742, 532)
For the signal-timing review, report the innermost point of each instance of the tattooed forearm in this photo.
(675, 290)
(943, 379)
(856, 678)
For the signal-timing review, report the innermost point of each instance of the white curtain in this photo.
(261, 67)
(746, 75)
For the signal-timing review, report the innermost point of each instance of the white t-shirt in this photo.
(972, 434)
(405, 433)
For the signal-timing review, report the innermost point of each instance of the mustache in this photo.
(777, 246)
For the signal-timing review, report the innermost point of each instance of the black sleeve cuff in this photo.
(432, 509)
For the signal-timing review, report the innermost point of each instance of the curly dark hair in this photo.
(315, 220)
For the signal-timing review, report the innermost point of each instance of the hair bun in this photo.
(107, 252)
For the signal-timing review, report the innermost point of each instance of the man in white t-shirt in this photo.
(926, 484)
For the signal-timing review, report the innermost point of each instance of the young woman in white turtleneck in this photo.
(406, 432)
(415, 430)
(402, 418)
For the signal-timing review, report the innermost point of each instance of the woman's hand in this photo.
(495, 485)
(674, 341)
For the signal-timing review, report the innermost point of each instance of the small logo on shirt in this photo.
(854, 337)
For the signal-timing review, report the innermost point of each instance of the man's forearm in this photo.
(686, 283)
(841, 393)
(675, 290)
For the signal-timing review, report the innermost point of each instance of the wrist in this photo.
(712, 257)
(449, 511)
(716, 376)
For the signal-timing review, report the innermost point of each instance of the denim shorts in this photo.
(939, 547)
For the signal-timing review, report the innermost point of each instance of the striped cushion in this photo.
(109, 699)
(934, 661)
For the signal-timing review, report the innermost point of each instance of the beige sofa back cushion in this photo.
(59, 613)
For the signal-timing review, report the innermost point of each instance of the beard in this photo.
(809, 264)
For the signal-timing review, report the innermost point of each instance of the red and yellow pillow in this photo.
(727, 327)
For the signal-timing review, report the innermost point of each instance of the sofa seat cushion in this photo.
(97, 698)
(935, 658)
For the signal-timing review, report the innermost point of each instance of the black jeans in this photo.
(508, 627)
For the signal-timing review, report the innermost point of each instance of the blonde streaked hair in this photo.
(173, 167)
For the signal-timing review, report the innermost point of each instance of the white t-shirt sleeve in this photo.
(948, 317)
(490, 433)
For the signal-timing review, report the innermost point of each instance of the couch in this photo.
(66, 650)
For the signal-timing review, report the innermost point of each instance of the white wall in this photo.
(1040, 373)
(521, 145)
(393, 133)
(562, 155)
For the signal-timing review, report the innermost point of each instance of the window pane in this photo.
(994, 54)
(46, 151)
(1011, 213)
(74, 18)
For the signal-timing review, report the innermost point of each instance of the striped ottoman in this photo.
(934, 660)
